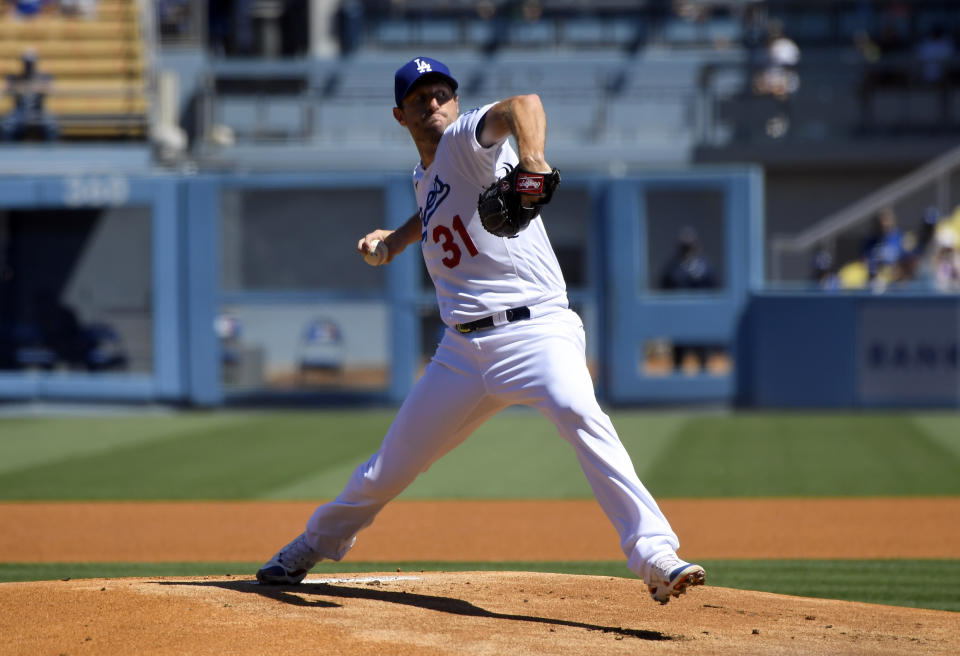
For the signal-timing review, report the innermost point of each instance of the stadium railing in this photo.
(929, 186)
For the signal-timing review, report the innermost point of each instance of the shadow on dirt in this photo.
(450, 605)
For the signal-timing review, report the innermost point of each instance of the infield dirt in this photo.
(496, 613)
(471, 530)
(475, 613)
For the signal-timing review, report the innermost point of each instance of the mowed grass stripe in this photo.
(28, 442)
(239, 460)
(944, 429)
(302, 455)
(916, 583)
(930, 584)
(784, 454)
(518, 454)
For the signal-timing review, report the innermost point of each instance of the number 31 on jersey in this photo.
(449, 243)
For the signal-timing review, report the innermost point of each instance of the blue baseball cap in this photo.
(415, 71)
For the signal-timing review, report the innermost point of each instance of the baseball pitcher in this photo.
(510, 339)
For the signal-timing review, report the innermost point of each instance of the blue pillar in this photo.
(402, 293)
(201, 351)
(168, 317)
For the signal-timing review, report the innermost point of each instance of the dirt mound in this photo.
(496, 613)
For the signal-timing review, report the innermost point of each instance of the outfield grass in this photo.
(931, 584)
(309, 455)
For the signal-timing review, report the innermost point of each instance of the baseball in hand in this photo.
(377, 254)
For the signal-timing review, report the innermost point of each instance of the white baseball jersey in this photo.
(475, 273)
(539, 362)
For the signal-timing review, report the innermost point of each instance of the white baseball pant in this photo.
(538, 362)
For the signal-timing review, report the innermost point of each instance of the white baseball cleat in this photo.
(290, 565)
(670, 576)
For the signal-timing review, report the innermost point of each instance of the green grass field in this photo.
(308, 455)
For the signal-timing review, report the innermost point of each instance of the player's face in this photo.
(428, 109)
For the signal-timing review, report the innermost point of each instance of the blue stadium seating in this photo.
(351, 121)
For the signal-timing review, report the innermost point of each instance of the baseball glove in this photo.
(501, 212)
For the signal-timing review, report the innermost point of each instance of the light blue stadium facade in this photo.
(213, 264)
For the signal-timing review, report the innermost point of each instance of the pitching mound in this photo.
(493, 613)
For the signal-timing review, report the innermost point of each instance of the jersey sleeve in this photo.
(474, 161)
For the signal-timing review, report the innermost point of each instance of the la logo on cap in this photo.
(422, 66)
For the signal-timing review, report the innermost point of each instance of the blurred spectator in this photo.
(893, 36)
(27, 9)
(74, 344)
(498, 20)
(60, 327)
(884, 249)
(824, 272)
(889, 255)
(219, 28)
(29, 89)
(754, 37)
(688, 269)
(928, 227)
(694, 11)
(275, 27)
(295, 27)
(350, 25)
(778, 77)
(230, 27)
(933, 52)
(865, 45)
(80, 8)
(944, 265)
(911, 259)
(853, 275)
(174, 18)
(531, 10)
(917, 246)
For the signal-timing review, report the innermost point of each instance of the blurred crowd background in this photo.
(779, 82)
(848, 109)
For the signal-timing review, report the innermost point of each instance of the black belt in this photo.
(513, 314)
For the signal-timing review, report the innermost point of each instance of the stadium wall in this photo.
(855, 350)
(212, 282)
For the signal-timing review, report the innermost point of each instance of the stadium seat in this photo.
(724, 29)
(439, 32)
(683, 32)
(240, 114)
(59, 29)
(264, 117)
(345, 121)
(98, 68)
(575, 121)
(809, 26)
(366, 79)
(584, 31)
(575, 78)
(52, 50)
(480, 33)
(648, 117)
(394, 32)
(89, 104)
(537, 34)
(64, 68)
